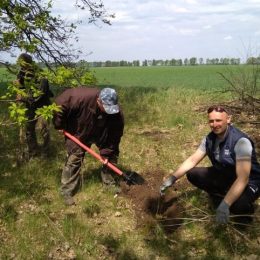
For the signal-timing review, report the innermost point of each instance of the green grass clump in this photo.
(91, 209)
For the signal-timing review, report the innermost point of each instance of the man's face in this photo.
(100, 105)
(22, 63)
(218, 122)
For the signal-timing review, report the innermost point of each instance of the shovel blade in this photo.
(133, 178)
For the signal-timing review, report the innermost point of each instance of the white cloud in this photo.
(193, 2)
(177, 9)
(207, 27)
(189, 31)
(226, 38)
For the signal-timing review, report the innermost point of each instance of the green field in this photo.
(204, 78)
(165, 120)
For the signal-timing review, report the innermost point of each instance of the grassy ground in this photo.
(164, 124)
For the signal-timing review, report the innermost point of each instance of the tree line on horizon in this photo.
(173, 62)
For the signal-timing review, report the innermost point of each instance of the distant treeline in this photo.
(173, 62)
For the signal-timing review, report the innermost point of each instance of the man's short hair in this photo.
(27, 58)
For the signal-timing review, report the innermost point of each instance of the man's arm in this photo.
(243, 151)
(115, 132)
(243, 168)
(190, 163)
(60, 117)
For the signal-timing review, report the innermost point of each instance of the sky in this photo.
(166, 29)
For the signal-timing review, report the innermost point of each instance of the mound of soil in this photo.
(149, 206)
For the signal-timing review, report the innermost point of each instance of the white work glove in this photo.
(167, 183)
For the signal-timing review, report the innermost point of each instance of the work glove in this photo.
(167, 183)
(223, 212)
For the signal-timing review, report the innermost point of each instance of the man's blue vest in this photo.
(227, 159)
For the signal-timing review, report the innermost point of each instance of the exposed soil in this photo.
(150, 207)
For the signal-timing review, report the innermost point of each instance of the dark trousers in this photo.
(30, 132)
(217, 183)
(71, 179)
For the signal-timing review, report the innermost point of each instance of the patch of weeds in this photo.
(127, 255)
(157, 241)
(91, 173)
(190, 225)
(69, 224)
(8, 212)
(117, 248)
(30, 232)
(152, 229)
(110, 242)
(91, 209)
(195, 200)
(110, 191)
(180, 121)
(225, 241)
(74, 229)
(81, 237)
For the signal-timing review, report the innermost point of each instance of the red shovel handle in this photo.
(93, 153)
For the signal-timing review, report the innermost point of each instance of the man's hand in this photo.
(18, 97)
(16, 82)
(168, 182)
(223, 212)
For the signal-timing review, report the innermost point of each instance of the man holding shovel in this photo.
(93, 117)
(233, 180)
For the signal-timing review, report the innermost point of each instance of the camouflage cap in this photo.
(109, 99)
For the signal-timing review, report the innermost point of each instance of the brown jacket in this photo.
(81, 116)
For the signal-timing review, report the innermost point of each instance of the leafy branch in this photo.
(29, 25)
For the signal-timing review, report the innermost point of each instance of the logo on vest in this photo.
(226, 152)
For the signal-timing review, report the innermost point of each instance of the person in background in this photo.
(233, 180)
(94, 117)
(28, 79)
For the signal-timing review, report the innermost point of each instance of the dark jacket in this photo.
(227, 153)
(27, 78)
(81, 116)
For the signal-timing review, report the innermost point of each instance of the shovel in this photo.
(129, 178)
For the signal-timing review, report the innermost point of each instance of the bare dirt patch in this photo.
(150, 207)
